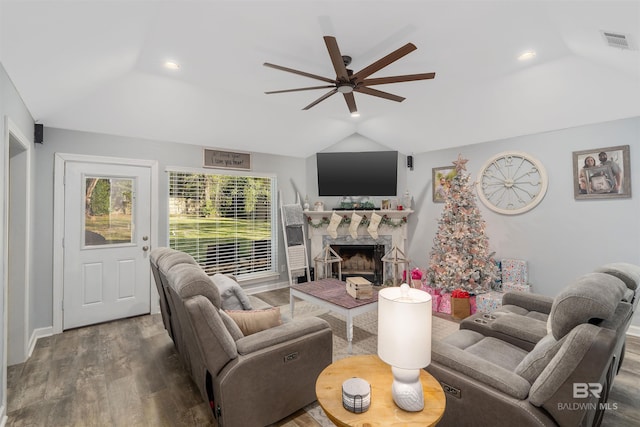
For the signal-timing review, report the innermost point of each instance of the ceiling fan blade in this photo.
(301, 73)
(336, 58)
(351, 102)
(383, 62)
(379, 93)
(322, 98)
(299, 89)
(398, 79)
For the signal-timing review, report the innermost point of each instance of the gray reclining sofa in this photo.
(251, 380)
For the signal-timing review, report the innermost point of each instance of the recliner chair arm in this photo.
(528, 301)
(520, 327)
(286, 332)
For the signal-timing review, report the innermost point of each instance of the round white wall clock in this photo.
(512, 182)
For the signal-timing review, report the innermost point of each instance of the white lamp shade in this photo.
(404, 327)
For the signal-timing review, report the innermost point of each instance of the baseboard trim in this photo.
(634, 331)
(36, 335)
(263, 288)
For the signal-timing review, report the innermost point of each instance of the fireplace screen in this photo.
(361, 260)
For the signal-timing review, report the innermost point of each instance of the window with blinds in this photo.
(226, 222)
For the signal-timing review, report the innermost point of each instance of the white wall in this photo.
(352, 143)
(561, 238)
(289, 171)
(11, 106)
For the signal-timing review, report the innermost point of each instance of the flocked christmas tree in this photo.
(460, 257)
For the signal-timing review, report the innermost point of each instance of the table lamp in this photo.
(404, 341)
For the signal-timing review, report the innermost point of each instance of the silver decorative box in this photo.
(356, 395)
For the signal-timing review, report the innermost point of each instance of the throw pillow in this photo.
(231, 294)
(252, 321)
(231, 326)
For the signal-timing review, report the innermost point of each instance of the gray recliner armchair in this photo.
(489, 381)
(251, 380)
(522, 319)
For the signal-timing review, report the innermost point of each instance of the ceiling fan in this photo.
(346, 81)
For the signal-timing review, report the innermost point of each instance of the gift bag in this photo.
(435, 303)
(460, 308)
(445, 303)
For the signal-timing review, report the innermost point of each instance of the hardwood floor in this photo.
(126, 373)
(121, 373)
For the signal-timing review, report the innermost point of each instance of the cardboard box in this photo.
(359, 288)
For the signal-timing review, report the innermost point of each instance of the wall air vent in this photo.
(617, 40)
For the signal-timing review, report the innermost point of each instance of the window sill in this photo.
(253, 278)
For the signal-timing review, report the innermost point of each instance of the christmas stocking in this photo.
(353, 227)
(373, 225)
(332, 228)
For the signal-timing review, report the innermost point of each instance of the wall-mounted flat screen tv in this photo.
(369, 173)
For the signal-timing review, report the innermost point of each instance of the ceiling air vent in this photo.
(618, 40)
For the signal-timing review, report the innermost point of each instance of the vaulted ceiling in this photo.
(97, 66)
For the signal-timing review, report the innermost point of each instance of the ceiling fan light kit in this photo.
(347, 82)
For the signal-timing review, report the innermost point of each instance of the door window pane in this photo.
(108, 211)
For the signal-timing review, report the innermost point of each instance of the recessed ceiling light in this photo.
(172, 65)
(355, 114)
(530, 54)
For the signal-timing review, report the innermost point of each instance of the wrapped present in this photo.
(435, 303)
(488, 302)
(431, 290)
(497, 283)
(515, 287)
(514, 270)
(472, 305)
(445, 303)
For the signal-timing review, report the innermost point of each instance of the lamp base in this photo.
(407, 389)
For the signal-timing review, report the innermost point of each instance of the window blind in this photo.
(226, 222)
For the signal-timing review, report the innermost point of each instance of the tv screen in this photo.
(370, 173)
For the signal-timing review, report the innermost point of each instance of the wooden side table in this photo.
(383, 411)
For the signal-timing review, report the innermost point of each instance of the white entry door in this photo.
(107, 211)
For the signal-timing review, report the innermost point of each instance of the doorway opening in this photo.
(17, 222)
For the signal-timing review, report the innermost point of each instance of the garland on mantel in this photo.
(346, 220)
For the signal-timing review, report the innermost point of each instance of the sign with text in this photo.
(226, 160)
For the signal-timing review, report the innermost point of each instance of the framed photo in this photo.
(441, 178)
(602, 173)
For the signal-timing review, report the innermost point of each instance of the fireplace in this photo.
(361, 246)
(361, 260)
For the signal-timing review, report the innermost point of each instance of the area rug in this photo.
(365, 327)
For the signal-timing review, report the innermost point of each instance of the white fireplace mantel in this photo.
(389, 235)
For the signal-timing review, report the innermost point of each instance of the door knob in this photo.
(145, 238)
(145, 248)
